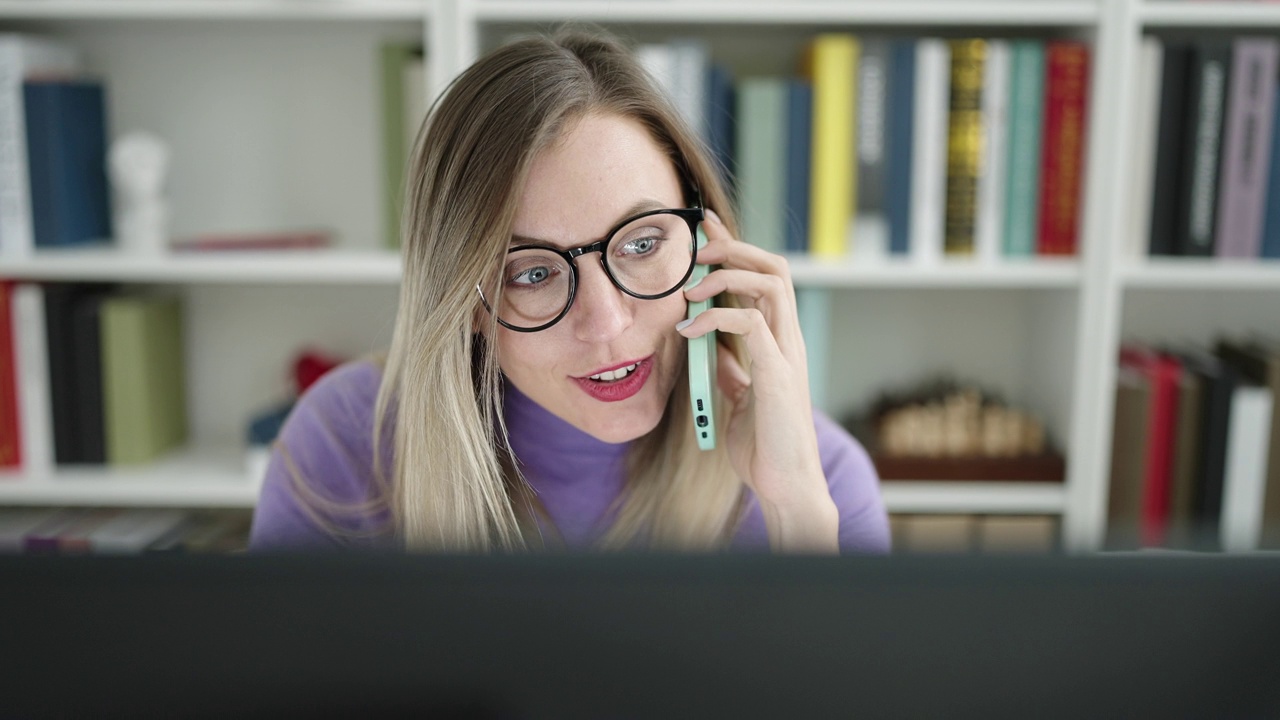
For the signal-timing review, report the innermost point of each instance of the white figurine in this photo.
(138, 163)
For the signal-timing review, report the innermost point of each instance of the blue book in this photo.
(66, 150)
(799, 135)
(1271, 223)
(899, 127)
(720, 121)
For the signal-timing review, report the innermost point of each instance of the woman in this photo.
(535, 393)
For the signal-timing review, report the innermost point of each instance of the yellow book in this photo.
(964, 144)
(831, 65)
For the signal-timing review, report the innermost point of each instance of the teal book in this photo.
(762, 158)
(1022, 177)
(143, 377)
(813, 306)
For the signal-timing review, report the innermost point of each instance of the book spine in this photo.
(1246, 146)
(59, 301)
(87, 366)
(691, 61)
(1026, 109)
(1209, 75)
(964, 144)
(1167, 186)
(20, 56)
(871, 231)
(10, 426)
(1130, 428)
(1246, 468)
(989, 219)
(1214, 429)
(720, 104)
(34, 400)
(1271, 222)
(832, 67)
(899, 126)
(1143, 170)
(1271, 499)
(762, 109)
(799, 172)
(929, 156)
(1067, 64)
(1164, 373)
(393, 58)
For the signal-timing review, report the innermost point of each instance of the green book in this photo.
(143, 377)
(1022, 177)
(762, 147)
(402, 69)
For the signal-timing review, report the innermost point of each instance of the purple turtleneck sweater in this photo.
(576, 477)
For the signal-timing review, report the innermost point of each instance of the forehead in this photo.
(583, 184)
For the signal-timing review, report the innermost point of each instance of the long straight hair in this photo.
(453, 484)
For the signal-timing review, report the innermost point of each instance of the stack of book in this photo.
(89, 374)
(95, 531)
(1196, 451)
(907, 147)
(984, 534)
(1208, 173)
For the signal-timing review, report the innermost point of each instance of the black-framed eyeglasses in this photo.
(647, 256)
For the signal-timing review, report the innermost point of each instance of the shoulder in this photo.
(323, 457)
(854, 486)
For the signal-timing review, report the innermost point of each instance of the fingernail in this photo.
(683, 324)
(712, 214)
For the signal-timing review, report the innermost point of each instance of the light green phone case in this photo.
(702, 366)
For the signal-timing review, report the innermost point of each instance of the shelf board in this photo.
(1203, 14)
(1201, 274)
(276, 267)
(1008, 498)
(1037, 273)
(187, 478)
(868, 12)
(215, 9)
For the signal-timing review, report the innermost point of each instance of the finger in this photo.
(724, 249)
(767, 293)
(749, 323)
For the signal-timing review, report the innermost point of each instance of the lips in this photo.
(621, 386)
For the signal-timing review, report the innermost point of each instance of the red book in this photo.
(10, 434)
(1163, 373)
(1062, 146)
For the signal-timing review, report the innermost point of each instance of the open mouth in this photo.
(609, 376)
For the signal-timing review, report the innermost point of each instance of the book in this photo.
(1245, 478)
(1129, 431)
(720, 118)
(988, 229)
(964, 144)
(67, 162)
(1271, 219)
(1022, 181)
(899, 143)
(691, 63)
(17, 523)
(934, 534)
(143, 378)
(929, 154)
(1208, 78)
(1259, 363)
(86, 365)
(402, 68)
(60, 302)
(32, 371)
(870, 228)
(132, 531)
(831, 65)
(1186, 458)
(1017, 534)
(799, 164)
(1167, 185)
(1162, 372)
(1145, 147)
(1218, 383)
(10, 425)
(22, 56)
(1062, 148)
(1246, 146)
(762, 113)
(73, 539)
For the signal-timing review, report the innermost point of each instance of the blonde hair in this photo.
(454, 485)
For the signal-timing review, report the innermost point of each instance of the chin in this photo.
(614, 424)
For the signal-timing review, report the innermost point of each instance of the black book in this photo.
(66, 371)
(1210, 73)
(86, 346)
(1170, 144)
(1218, 384)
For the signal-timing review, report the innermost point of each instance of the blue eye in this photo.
(532, 276)
(641, 246)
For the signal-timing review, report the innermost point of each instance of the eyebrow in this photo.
(641, 206)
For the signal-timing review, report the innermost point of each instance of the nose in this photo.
(601, 311)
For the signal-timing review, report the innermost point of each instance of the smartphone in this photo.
(702, 366)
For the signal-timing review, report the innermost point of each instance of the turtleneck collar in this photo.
(554, 452)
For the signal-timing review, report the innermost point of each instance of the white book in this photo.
(21, 56)
(929, 152)
(1143, 165)
(659, 60)
(691, 64)
(989, 220)
(1245, 481)
(132, 531)
(31, 357)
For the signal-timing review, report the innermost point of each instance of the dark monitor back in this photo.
(640, 636)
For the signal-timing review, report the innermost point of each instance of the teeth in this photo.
(611, 375)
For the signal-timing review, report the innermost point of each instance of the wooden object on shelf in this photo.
(1046, 467)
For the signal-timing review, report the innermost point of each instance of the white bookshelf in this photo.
(283, 133)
